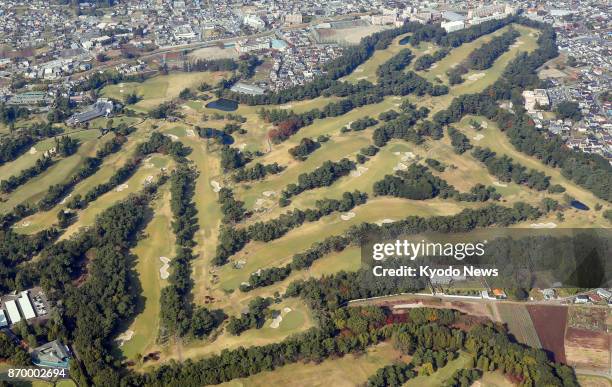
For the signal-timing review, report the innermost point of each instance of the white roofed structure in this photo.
(26, 305)
(13, 311)
(3, 320)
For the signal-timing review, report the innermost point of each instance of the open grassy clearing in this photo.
(28, 159)
(348, 260)
(161, 88)
(296, 317)
(133, 185)
(280, 251)
(594, 381)
(35, 188)
(440, 376)
(367, 70)
(44, 219)
(157, 242)
(493, 379)
(493, 138)
(350, 370)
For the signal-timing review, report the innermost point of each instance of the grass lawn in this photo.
(297, 319)
(350, 370)
(159, 89)
(35, 189)
(44, 219)
(280, 251)
(495, 379)
(440, 376)
(594, 381)
(158, 242)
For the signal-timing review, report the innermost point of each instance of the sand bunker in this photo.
(475, 77)
(148, 179)
(66, 198)
(190, 133)
(433, 66)
(478, 137)
(361, 78)
(517, 44)
(360, 170)
(497, 183)
(260, 203)
(286, 309)
(125, 337)
(543, 225)
(173, 137)
(25, 224)
(276, 322)
(242, 146)
(287, 106)
(216, 186)
(269, 193)
(359, 70)
(347, 216)
(484, 124)
(384, 221)
(408, 156)
(400, 167)
(163, 271)
(121, 187)
(397, 153)
(32, 151)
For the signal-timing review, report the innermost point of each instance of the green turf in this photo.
(440, 376)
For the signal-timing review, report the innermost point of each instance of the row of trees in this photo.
(25, 175)
(323, 176)
(257, 172)
(304, 148)
(484, 56)
(425, 62)
(17, 144)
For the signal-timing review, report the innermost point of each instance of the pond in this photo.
(579, 205)
(404, 41)
(223, 104)
(225, 138)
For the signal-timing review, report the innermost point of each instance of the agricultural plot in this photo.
(519, 323)
(550, 324)
(587, 341)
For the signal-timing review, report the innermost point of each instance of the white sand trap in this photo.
(125, 337)
(433, 66)
(121, 84)
(484, 124)
(397, 153)
(121, 187)
(287, 106)
(286, 310)
(517, 44)
(348, 216)
(173, 137)
(478, 137)
(400, 167)
(190, 133)
(543, 225)
(185, 107)
(242, 146)
(384, 221)
(25, 224)
(408, 156)
(66, 198)
(163, 271)
(32, 151)
(148, 165)
(148, 179)
(359, 70)
(475, 77)
(276, 322)
(360, 170)
(269, 193)
(497, 183)
(216, 186)
(361, 78)
(260, 203)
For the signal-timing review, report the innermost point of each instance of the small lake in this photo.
(223, 104)
(226, 139)
(579, 205)
(404, 41)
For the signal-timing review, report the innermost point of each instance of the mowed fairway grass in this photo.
(298, 319)
(44, 219)
(161, 88)
(350, 370)
(280, 251)
(35, 189)
(440, 376)
(157, 242)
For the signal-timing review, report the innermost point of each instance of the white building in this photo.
(453, 25)
(254, 21)
(13, 311)
(26, 305)
(534, 99)
(184, 32)
(490, 12)
(293, 18)
(248, 45)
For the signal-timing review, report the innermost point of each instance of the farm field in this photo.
(550, 323)
(519, 323)
(350, 370)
